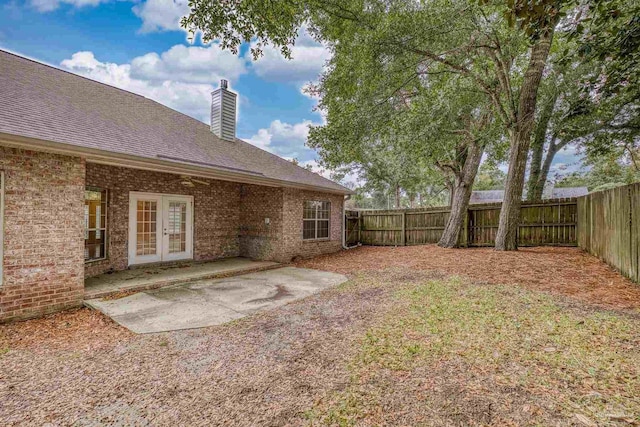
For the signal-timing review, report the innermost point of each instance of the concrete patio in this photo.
(212, 302)
(157, 276)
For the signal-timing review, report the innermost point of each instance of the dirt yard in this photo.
(418, 336)
(565, 271)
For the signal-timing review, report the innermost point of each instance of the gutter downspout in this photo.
(344, 224)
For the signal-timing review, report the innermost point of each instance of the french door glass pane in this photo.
(177, 227)
(95, 224)
(146, 228)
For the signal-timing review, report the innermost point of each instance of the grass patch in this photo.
(453, 353)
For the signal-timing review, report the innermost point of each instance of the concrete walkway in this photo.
(151, 277)
(214, 301)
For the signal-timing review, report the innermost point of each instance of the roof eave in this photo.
(158, 165)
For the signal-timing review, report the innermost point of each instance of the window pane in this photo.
(325, 210)
(308, 229)
(177, 227)
(309, 211)
(146, 228)
(95, 221)
(319, 212)
(323, 229)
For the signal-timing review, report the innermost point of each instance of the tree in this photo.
(604, 172)
(563, 118)
(490, 177)
(608, 38)
(486, 43)
(433, 119)
(591, 92)
(385, 167)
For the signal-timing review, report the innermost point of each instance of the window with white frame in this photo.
(315, 220)
(95, 224)
(1, 226)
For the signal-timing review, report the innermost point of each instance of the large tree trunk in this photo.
(536, 180)
(412, 200)
(397, 197)
(520, 139)
(461, 193)
(543, 174)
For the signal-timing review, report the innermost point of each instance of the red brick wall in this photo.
(292, 244)
(259, 240)
(229, 218)
(44, 265)
(216, 212)
(282, 239)
(44, 233)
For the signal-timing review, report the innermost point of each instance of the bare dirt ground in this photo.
(565, 271)
(392, 346)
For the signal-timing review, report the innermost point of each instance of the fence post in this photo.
(465, 229)
(403, 238)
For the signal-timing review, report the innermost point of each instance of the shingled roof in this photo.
(41, 102)
(550, 192)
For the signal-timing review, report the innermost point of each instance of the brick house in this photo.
(94, 179)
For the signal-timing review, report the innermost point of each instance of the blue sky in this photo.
(139, 46)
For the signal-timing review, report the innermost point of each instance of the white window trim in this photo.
(1, 227)
(316, 220)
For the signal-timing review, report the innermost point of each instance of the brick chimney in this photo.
(223, 112)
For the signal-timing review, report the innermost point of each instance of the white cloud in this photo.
(189, 64)
(167, 78)
(288, 141)
(51, 5)
(351, 179)
(284, 139)
(308, 60)
(161, 15)
(567, 160)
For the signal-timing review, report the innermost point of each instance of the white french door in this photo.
(160, 227)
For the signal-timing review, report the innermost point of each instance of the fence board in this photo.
(547, 222)
(609, 227)
(634, 234)
(352, 228)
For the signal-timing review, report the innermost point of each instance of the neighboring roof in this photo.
(495, 196)
(486, 196)
(44, 103)
(566, 192)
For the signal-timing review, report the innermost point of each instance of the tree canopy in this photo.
(417, 87)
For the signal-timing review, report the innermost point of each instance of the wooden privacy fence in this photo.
(545, 222)
(609, 227)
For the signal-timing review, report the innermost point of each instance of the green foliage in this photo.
(490, 177)
(605, 172)
(233, 23)
(409, 81)
(590, 86)
(386, 105)
(532, 16)
(608, 38)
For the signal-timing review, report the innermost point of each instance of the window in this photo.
(95, 224)
(315, 220)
